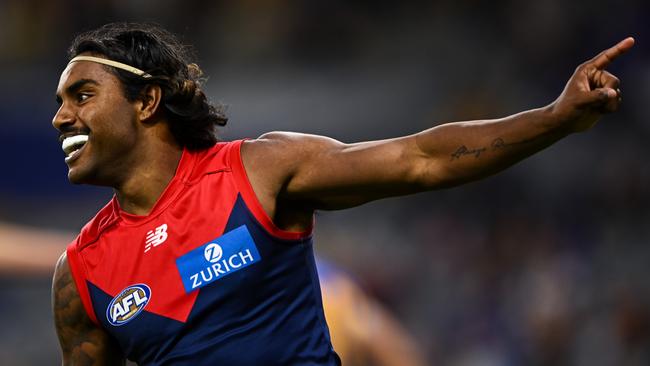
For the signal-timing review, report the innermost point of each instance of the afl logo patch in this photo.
(128, 304)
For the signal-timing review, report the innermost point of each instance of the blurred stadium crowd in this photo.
(545, 264)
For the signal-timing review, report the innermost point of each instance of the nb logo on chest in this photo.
(155, 237)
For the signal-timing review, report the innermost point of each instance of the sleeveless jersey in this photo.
(205, 278)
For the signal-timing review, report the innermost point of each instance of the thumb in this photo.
(598, 97)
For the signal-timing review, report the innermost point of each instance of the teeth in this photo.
(73, 143)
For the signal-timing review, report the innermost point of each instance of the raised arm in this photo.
(82, 342)
(292, 172)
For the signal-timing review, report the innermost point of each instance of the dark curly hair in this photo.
(148, 47)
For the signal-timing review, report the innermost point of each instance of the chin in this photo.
(75, 178)
(78, 175)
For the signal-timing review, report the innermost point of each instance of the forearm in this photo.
(459, 152)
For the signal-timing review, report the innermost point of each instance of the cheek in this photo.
(113, 114)
(113, 129)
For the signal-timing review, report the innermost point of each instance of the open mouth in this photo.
(73, 145)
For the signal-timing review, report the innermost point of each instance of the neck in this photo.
(139, 193)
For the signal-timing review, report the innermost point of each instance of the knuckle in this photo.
(581, 67)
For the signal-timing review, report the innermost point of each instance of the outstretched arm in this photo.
(82, 342)
(312, 172)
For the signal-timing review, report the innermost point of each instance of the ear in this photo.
(148, 102)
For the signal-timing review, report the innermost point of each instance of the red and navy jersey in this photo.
(205, 278)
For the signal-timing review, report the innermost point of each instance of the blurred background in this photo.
(547, 263)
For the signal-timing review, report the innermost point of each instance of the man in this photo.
(204, 255)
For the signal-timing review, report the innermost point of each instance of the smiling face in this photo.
(98, 126)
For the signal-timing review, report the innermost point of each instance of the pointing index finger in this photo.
(603, 59)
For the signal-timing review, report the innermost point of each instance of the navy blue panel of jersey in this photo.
(269, 313)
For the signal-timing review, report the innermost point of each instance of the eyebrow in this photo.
(74, 87)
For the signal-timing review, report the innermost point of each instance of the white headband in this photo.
(119, 65)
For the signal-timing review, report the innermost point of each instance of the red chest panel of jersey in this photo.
(117, 250)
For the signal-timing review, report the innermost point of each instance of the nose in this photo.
(63, 117)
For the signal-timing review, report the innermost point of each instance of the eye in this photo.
(82, 97)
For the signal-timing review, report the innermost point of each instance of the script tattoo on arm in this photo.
(82, 342)
(500, 143)
(496, 144)
(464, 151)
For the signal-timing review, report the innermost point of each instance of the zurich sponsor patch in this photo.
(218, 258)
(128, 304)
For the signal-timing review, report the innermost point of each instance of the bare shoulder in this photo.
(275, 157)
(273, 161)
(289, 145)
(65, 297)
(81, 341)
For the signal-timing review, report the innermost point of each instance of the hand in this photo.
(591, 91)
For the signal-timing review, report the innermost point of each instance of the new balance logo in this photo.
(155, 237)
